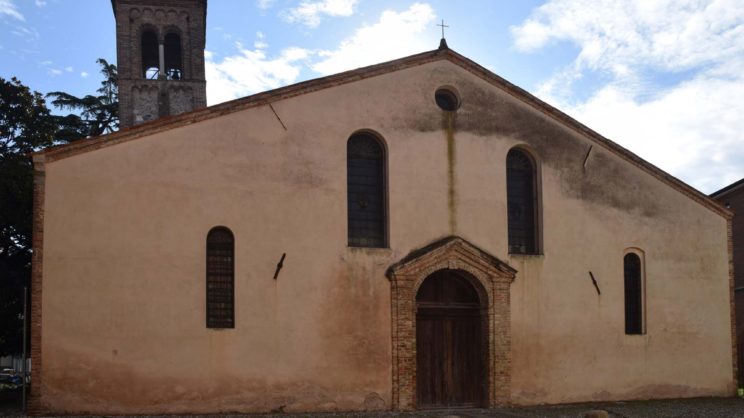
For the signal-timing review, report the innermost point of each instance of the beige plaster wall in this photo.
(124, 268)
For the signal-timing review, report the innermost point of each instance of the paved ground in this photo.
(692, 408)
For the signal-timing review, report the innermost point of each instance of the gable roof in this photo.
(728, 189)
(442, 53)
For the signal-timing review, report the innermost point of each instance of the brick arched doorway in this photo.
(491, 278)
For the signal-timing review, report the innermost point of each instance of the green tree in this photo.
(93, 114)
(25, 126)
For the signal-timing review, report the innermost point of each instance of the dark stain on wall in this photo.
(353, 324)
(605, 180)
(107, 388)
(449, 126)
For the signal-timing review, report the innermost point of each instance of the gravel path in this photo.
(676, 408)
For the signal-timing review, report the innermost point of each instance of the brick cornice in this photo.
(265, 98)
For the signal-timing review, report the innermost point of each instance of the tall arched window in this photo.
(173, 61)
(633, 273)
(150, 55)
(220, 278)
(521, 198)
(365, 163)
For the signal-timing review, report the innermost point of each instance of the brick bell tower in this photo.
(160, 57)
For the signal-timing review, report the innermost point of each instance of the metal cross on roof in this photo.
(443, 26)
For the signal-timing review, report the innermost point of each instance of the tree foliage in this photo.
(24, 119)
(92, 115)
(25, 126)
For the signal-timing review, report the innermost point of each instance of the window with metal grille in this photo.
(633, 294)
(365, 164)
(220, 278)
(521, 197)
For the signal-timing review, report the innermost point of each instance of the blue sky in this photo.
(661, 77)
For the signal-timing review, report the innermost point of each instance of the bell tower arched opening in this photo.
(150, 55)
(173, 60)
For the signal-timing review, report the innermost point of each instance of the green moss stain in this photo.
(449, 120)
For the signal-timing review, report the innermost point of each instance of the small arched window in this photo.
(173, 61)
(150, 55)
(633, 272)
(220, 278)
(365, 163)
(521, 199)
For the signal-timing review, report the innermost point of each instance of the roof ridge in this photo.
(727, 189)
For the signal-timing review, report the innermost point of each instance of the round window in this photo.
(447, 99)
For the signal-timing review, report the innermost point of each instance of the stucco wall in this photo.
(124, 240)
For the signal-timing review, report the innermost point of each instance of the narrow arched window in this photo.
(173, 61)
(150, 55)
(365, 163)
(521, 198)
(633, 294)
(220, 278)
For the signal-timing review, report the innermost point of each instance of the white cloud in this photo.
(260, 43)
(7, 8)
(54, 72)
(395, 35)
(692, 130)
(690, 127)
(668, 35)
(84, 74)
(251, 71)
(310, 13)
(28, 33)
(69, 69)
(264, 4)
(40, 3)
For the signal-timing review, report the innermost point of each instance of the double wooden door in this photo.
(450, 361)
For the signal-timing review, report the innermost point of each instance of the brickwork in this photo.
(735, 309)
(492, 279)
(34, 400)
(187, 18)
(732, 197)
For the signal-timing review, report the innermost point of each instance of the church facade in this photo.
(414, 234)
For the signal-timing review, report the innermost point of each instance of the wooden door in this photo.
(449, 359)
